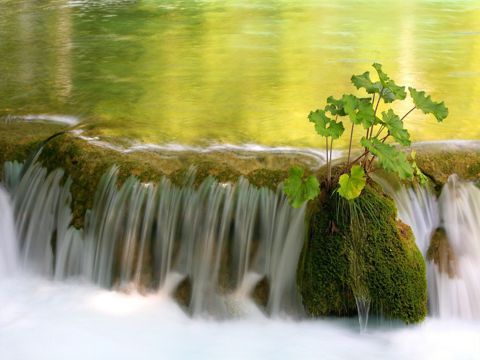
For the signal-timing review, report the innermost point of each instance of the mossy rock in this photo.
(19, 139)
(392, 267)
(86, 161)
(439, 162)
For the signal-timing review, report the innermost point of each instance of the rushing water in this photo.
(183, 233)
(223, 239)
(454, 278)
(232, 71)
(8, 238)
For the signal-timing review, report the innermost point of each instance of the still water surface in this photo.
(236, 71)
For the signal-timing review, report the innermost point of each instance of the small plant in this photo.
(362, 113)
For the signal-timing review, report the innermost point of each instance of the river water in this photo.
(236, 71)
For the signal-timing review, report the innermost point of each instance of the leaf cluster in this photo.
(362, 113)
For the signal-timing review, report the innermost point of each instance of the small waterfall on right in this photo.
(457, 263)
(447, 231)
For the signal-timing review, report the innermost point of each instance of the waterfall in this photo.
(458, 287)
(8, 241)
(447, 231)
(41, 203)
(219, 239)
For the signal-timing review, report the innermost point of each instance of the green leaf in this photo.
(384, 79)
(325, 126)
(360, 111)
(390, 91)
(298, 189)
(335, 107)
(364, 81)
(350, 106)
(389, 158)
(351, 186)
(393, 92)
(427, 105)
(395, 127)
(366, 113)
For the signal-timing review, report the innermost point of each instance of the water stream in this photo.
(142, 235)
(223, 240)
(453, 263)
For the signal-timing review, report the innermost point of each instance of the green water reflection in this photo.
(232, 71)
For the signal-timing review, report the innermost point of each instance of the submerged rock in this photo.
(261, 292)
(183, 293)
(362, 250)
(441, 253)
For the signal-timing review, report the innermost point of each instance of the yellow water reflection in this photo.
(233, 71)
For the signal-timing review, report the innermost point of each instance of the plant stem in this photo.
(378, 102)
(371, 162)
(361, 156)
(350, 145)
(408, 112)
(374, 115)
(328, 165)
(380, 130)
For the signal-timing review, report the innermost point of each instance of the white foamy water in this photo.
(60, 119)
(41, 319)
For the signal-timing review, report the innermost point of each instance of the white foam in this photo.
(60, 119)
(51, 320)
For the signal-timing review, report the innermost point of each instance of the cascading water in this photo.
(447, 232)
(458, 286)
(8, 241)
(154, 236)
(42, 213)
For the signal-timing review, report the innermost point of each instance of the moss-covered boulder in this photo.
(365, 252)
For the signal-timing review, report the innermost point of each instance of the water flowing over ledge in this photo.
(155, 323)
(447, 231)
(149, 235)
(215, 245)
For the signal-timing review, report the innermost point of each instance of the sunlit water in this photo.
(236, 71)
(40, 319)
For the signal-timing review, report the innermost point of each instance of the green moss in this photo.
(86, 163)
(267, 178)
(392, 268)
(19, 139)
(439, 164)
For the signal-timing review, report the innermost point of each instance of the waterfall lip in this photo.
(54, 118)
(461, 144)
(176, 148)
